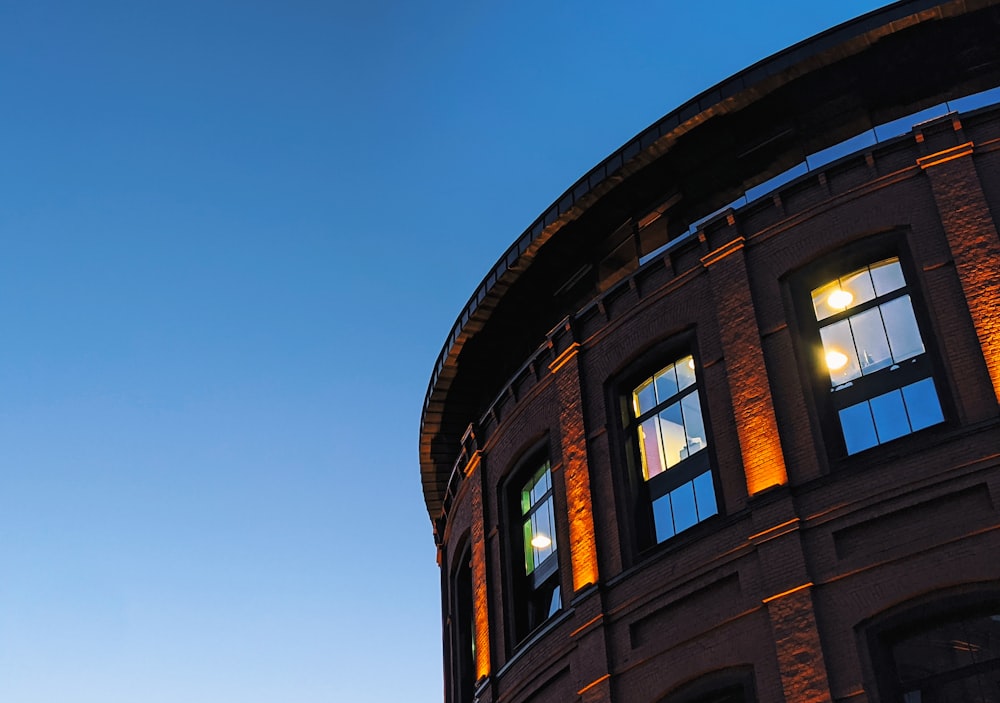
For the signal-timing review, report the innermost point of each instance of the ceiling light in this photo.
(835, 360)
(839, 299)
(541, 541)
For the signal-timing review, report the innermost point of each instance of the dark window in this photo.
(666, 429)
(727, 686)
(463, 632)
(957, 659)
(878, 374)
(536, 587)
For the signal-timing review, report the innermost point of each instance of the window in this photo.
(536, 588)
(463, 631)
(734, 685)
(940, 659)
(665, 425)
(873, 356)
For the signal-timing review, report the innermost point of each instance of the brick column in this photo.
(756, 425)
(790, 607)
(576, 471)
(590, 660)
(975, 245)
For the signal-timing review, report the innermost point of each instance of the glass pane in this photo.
(682, 502)
(838, 351)
(859, 285)
(650, 450)
(823, 306)
(685, 372)
(663, 519)
(890, 416)
(643, 398)
(870, 341)
(542, 541)
(529, 556)
(887, 276)
(542, 483)
(859, 429)
(704, 493)
(693, 425)
(549, 527)
(953, 661)
(672, 434)
(525, 501)
(666, 384)
(556, 602)
(901, 327)
(922, 404)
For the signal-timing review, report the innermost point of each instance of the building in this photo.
(722, 425)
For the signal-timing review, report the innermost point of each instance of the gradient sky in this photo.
(233, 237)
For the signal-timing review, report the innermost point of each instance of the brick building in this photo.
(722, 425)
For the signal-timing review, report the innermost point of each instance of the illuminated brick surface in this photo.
(813, 551)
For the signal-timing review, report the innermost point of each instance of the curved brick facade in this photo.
(781, 549)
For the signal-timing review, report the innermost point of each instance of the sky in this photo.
(233, 238)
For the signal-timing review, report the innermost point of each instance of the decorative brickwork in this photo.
(755, 422)
(719, 537)
(975, 244)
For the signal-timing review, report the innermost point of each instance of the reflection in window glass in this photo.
(694, 428)
(901, 329)
(676, 430)
(554, 603)
(870, 341)
(538, 526)
(890, 415)
(858, 286)
(867, 329)
(666, 383)
(922, 405)
(957, 660)
(887, 276)
(839, 355)
(684, 506)
(651, 448)
(704, 494)
(859, 427)
(670, 429)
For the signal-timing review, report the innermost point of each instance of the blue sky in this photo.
(233, 236)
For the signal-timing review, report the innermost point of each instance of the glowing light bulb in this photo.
(835, 360)
(839, 299)
(540, 541)
(691, 364)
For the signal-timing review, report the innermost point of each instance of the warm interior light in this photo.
(835, 360)
(839, 300)
(540, 542)
(691, 364)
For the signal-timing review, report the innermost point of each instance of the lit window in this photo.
(536, 590)
(873, 353)
(538, 522)
(667, 427)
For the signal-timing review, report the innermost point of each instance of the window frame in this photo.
(838, 263)
(923, 615)
(463, 624)
(528, 591)
(637, 494)
(731, 685)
